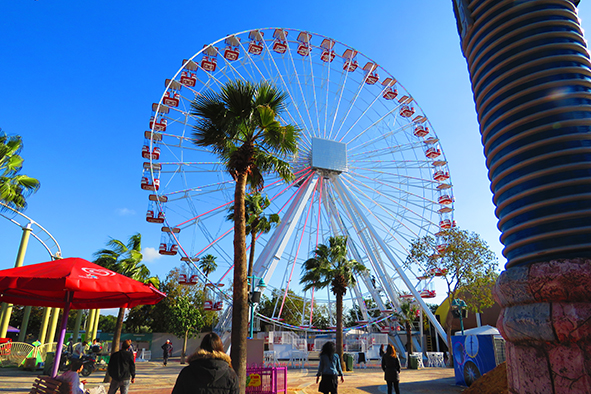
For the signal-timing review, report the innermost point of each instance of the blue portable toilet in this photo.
(476, 352)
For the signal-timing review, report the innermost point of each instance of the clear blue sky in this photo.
(78, 80)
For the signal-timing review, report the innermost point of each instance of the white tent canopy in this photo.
(483, 330)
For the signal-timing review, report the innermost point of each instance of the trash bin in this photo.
(49, 358)
(348, 360)
(413, 361)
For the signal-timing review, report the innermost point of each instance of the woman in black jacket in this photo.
(209, 371)
(391, 367)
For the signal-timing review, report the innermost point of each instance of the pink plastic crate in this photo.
(266, 380)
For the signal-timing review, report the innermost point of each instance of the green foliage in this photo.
(330, 266)
(354, 313)
(207, 264)
(409, 312)
(185, 317)
(14, 187)
(107, 323)
(239, 124)
(125, 259)
(157, 317)
(469, 262)
(292, 309)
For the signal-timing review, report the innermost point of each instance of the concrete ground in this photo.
(154, 378)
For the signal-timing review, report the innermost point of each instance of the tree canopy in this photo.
(465, 262)
(14, 187)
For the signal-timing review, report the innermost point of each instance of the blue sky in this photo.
(79, 78)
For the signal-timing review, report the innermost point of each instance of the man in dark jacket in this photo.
(166, 351)
(121, 369)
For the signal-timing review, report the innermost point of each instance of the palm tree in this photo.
(207, 264)
(256, 222)
(240, 125)
(14, 188)
(330, 266)
(409, 312)
(124, 259)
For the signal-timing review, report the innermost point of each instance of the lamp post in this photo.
(254, 297)
(459, 305)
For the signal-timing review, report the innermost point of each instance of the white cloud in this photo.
(125, 212)
(150, 254)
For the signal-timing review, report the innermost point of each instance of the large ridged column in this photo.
(531, 78)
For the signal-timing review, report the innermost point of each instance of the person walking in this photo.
(391, 368)
(166, 351)
(121, 368)
(382, 351)
(209, 370)
(329, 368)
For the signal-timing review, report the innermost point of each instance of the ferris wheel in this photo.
(369, 167)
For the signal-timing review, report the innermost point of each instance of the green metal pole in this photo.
(22, 335)
(96, 322)
(90, 325)
(20, 257)
(53, 325)
(77, 326)
(43, 331)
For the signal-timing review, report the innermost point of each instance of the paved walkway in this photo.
(153, 378)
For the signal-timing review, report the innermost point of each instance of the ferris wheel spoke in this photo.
(338, 104)
(300, 88)
(360, 88)
(387, 211)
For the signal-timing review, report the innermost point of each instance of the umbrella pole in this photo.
(62, 334)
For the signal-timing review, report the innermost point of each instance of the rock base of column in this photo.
(546, 321)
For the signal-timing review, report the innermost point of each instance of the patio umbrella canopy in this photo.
(93, 287)
(73, 283)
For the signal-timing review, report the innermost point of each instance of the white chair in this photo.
(270, 358)
(436, 359)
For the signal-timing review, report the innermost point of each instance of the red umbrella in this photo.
(73, 283)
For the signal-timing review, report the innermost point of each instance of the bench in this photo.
(47, 385)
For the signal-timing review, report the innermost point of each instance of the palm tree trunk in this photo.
(116, 339)
(240, 294)
(340, 326)
(409, 337)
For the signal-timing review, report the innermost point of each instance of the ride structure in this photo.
(369, 167)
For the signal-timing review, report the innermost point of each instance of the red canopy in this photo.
(91, 286)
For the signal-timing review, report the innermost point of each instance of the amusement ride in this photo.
(369, 166)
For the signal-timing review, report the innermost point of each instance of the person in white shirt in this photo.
(72, 377)
(80, 349)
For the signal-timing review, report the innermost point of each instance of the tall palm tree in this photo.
(409, 312)
(14, 187)
(330, 267)
(207, 264)
(256, 221)
(240, 125)
(124, 259)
